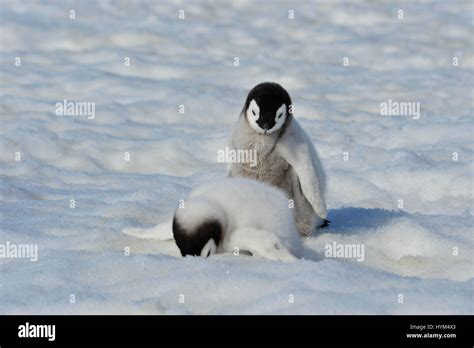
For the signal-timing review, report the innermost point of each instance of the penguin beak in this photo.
(265, 128)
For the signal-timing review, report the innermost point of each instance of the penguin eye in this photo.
(253, 112)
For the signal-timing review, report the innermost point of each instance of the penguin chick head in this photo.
(267, 107)
(197, 227)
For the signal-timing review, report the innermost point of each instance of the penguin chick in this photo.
(237, 214)
(285, 155)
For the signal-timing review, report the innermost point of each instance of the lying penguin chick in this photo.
(237, 213)
(285, 155)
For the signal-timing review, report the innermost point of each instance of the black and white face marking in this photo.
(209, 249)
(267, 123)
(267, 107)
(201, 240)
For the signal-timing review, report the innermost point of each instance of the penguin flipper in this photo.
(298, 150)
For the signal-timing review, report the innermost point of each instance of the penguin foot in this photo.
(325, 223)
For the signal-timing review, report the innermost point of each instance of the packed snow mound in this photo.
(400, 186)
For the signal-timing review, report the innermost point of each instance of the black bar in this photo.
(291, 331)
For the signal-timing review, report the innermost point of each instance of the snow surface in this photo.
(408, 251)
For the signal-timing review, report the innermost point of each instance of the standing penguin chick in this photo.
(237, 213)
(286, 157)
